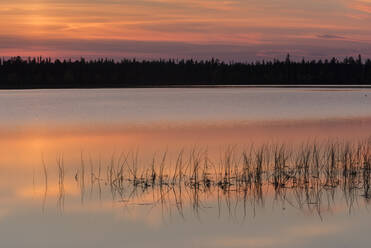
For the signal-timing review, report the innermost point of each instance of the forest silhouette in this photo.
(20, 73)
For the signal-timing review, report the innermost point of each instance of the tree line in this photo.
(18, 73)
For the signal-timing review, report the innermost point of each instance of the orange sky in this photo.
(227, 29)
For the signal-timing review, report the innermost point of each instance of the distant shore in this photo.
(206, 87)
(45, 73)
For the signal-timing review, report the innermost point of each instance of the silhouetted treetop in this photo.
(39, 72)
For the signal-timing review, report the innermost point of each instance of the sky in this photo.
(231, 30)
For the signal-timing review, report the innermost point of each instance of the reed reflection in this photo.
(313, 178)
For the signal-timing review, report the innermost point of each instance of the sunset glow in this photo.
(230, 30)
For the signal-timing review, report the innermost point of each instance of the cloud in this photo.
(361, 6)
(330, 36)
(159, 27)
(310, 49)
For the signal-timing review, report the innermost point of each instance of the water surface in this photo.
(45, 132)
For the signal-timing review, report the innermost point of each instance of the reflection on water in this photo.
(312, 177)
(215, 168)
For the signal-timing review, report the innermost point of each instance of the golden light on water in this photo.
(26, 148)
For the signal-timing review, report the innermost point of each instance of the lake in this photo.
(185, 167)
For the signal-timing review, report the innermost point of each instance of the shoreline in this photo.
(201, 86)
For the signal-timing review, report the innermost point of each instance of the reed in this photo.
(308, 171)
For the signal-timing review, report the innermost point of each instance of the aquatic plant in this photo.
(307, 172)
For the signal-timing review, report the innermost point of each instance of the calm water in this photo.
(61, 154)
